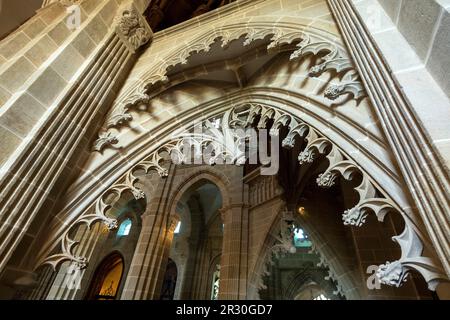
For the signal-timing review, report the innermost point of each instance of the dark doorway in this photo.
(106, 281)
(169, 282)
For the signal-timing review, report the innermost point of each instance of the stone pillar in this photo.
(233, 265)
(196, 249)
(153, 248)
(167, 245)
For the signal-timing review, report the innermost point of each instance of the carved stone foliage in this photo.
(301, 44)
(331, 274)
(132, 28)
(105, 139)
(68, 245)
(216, 138)
(370, 197)
(282, 245)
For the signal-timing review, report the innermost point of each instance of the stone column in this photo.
(196, 249)
(233, 265)
(167, 245)
(153, 247)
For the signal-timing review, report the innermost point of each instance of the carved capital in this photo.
(132, 28)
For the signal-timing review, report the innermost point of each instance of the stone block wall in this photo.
(426, 26)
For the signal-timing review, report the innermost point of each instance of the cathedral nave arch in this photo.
(361, 148)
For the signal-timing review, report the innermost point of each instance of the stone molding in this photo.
(29, 176)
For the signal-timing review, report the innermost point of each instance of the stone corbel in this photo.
(132, 28)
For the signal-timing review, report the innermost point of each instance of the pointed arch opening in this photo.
(107, 278)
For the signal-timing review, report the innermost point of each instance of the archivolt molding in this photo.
(300, 43)
(224, 146)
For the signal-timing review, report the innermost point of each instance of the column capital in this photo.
(132, 28)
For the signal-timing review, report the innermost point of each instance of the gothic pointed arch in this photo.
(350, 146)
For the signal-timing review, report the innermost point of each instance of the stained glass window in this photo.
(124, 228)
(301, 240)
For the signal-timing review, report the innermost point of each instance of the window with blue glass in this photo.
(124, 228)
(301, 240)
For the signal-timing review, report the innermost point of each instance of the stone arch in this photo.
(339, 164)
(286, 35)
(95, 283)
(221, 181)
(283, 34)
(273, 245)
(183, 185)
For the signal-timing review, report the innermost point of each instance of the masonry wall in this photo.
(426, 26)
